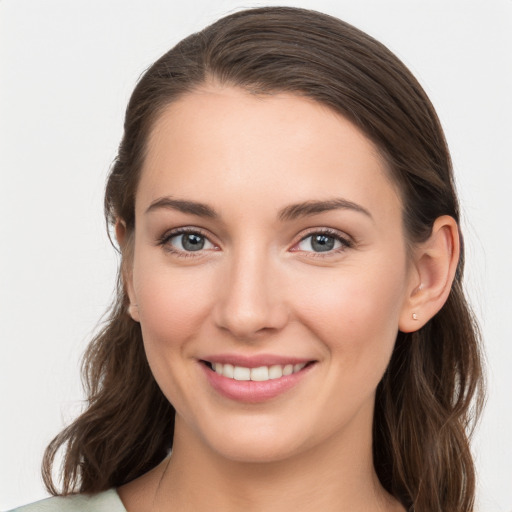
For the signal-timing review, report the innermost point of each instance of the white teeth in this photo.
(275, 372)
(260, 374)
(242, 373)
(228, 370)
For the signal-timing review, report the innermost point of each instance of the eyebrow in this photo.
(295, 211)
(193, 207)
(290, 212)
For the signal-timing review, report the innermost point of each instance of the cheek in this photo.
(356, 312)
(354, 317)
(172, 307)
(171, 304)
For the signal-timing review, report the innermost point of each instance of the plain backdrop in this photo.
(66, 72)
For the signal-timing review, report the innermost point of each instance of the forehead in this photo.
(225, 143)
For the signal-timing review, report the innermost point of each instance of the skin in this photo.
(259, 287)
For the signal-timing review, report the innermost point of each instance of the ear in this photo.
(434, 265)
(125, 241)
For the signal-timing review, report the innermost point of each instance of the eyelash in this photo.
(345, 242)
(164, 241)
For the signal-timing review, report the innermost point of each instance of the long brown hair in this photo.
(432, 390)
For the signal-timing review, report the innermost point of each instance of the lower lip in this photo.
(250, 391)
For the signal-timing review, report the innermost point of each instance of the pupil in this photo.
(192, 242)
(322, 243)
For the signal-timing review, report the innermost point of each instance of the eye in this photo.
(186, 241)
(323, 242)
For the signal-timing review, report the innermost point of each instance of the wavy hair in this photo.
(432, 390)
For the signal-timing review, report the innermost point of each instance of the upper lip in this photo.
(255, 361)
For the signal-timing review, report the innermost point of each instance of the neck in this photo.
(336, 476)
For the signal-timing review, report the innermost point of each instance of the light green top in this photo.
(107, 501)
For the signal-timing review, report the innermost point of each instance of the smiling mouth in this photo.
(259, 374)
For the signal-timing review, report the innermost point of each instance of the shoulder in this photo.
(107, 501)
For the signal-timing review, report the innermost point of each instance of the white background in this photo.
(67, 69)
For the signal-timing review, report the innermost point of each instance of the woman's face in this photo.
(269, 272)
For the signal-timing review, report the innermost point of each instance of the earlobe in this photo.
(125, 242)
(120, 230)
(435, 263)
(133, 311)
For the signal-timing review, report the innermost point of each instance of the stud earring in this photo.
(414, 316)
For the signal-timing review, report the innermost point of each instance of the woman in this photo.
(290, 318)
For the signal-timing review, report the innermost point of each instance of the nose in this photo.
(252, 299)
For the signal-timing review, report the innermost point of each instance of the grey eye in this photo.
(190, 242)
(319, 242)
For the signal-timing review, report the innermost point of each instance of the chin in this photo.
(257, 452)
(257, 443)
